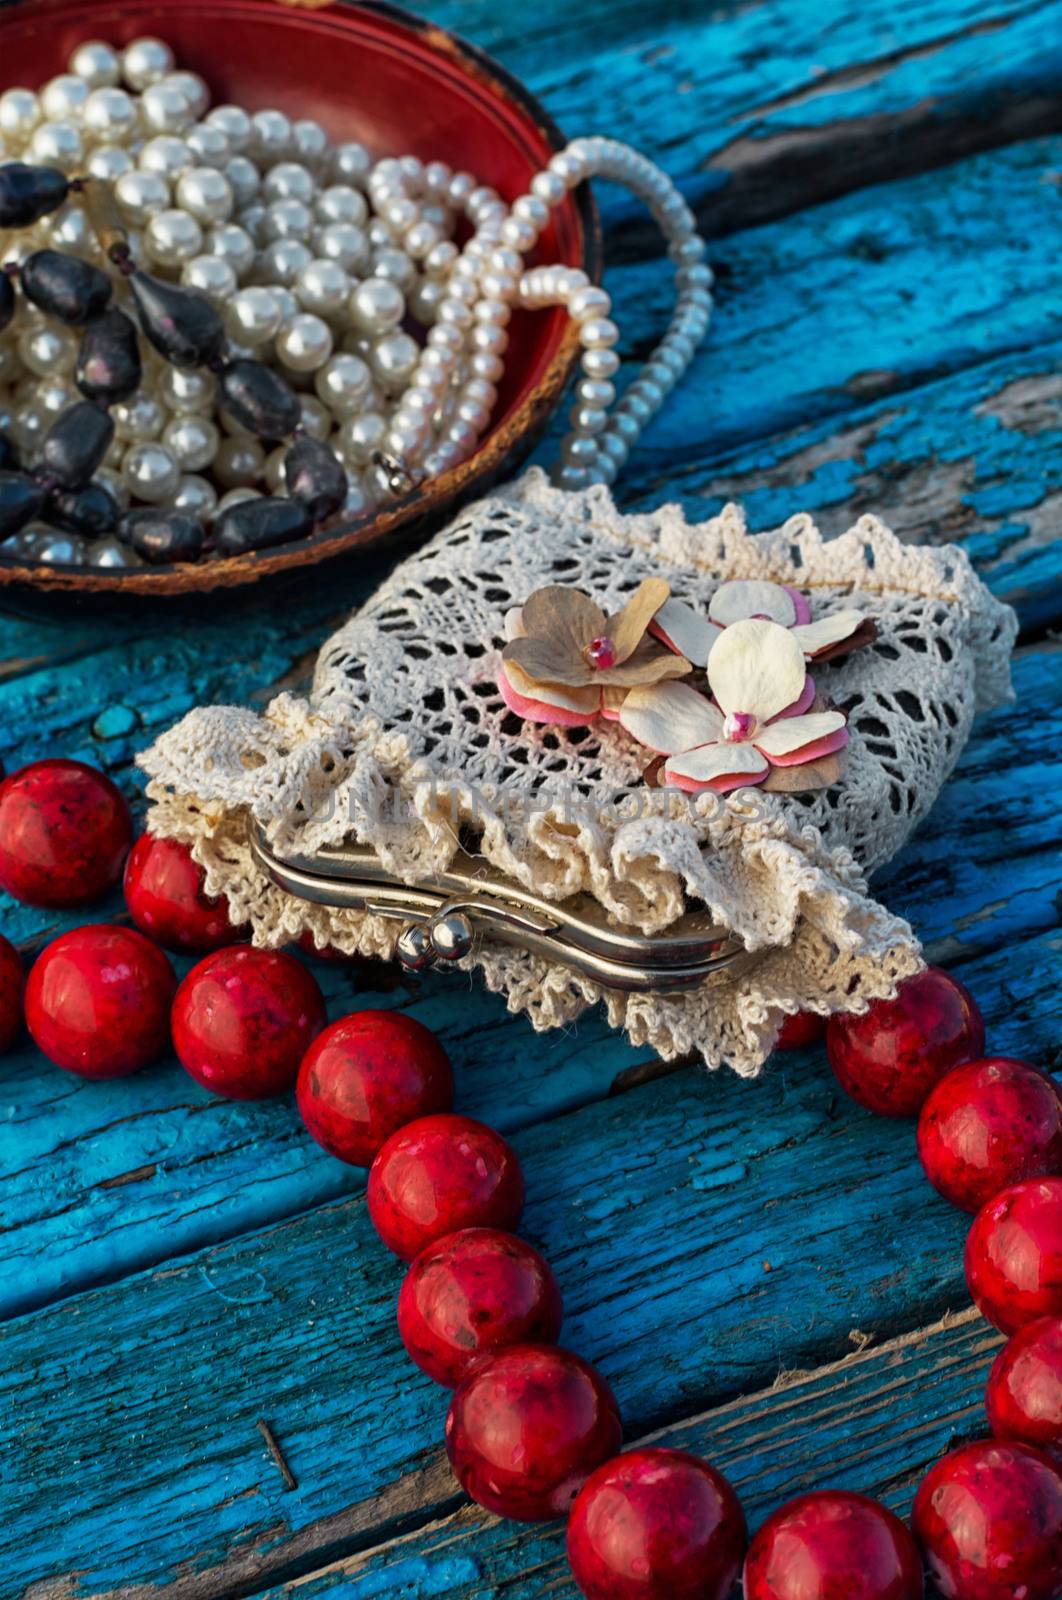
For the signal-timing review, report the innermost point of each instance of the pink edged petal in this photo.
(800, 604)
(793, 733)
(668, 717)
(684, 631)
(540, 710)
(610, 713)
(513, 623)
(757, 668)
(813, 751)
(815, 636)
(752, 597)
(804, 703)
(735, 765)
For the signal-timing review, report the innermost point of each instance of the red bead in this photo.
(98, 1001)
(1024, 1394)
(833, 1545)
(243, 1020)
(438, 1175)
(526, 1429)
(164, 893)
(890, 1058)
(471, 1292)
(989, 1520)
(367, 1076)
(800, 1029)
(12, 985)
(988, 1124)
(65, 831)
(1014, 1254)
(656, 1525)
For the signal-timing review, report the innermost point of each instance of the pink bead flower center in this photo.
(601, 653)
(738, 727)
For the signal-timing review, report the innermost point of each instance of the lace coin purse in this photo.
(676, 815)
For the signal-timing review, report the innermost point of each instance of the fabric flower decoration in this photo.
(567, 663)
(692, 635)
(760, 719)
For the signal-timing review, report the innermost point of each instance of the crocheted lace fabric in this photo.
(404, 744)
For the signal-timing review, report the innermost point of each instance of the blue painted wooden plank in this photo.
(660, 1209)
(203, 1169)
(873, 1423)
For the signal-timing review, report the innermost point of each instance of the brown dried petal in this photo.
(543, 659)
(821, 774)
(648, 664)
(565, 615)
(866, 633)
(627, 628)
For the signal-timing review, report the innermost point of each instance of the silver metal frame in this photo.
(444, 917)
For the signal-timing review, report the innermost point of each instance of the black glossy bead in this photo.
(163, 536)
(108, 362)
(65, 286)
(76, 445)
(7, 299)
(314, 476)
(258, 399)
(182, 325)
(8, 458)
(20, 501)
(258, 524)
(28, 193)
(92, 511)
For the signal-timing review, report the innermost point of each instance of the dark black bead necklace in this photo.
(187, 331)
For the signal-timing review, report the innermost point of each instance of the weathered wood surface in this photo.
(887, 339)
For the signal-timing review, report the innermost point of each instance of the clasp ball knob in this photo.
(451, 936)
(414, 948)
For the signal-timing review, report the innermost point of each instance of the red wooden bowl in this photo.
(399, 85)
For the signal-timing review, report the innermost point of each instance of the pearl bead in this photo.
(343, 383)
(289, 181)
(304, 344)
(97, 63)
(233, 244)
(341, 203)
(595, 392)
(234, 123)
(600, 363)
(396, 267)
(425, 299)
(211, 276)
(209, 145)
(376, 306)
(323, 287)
(20, 112)
(316, 418)
(164, 109)
(287, 219)
(274, 470)
(194, 89)
(46, 350)
(598, 333)
(167, 155)
(151, 472)
(282, 261)
(186, 389)
(138, 418)
(63, 99)
(172, 237)
(196, 495)
(110, 114)
(351, 163)
(393, 361)
(252, 316)
(205, 194)
(310, 141)
(193, 440)
(344, 243)
(114, 484)
(239, 463)
(359, 436)
(244, 180)
(57, 144)
(108, 162)
(271, 137)
(140, 195)
(235, 497)
(145, 62)
(53, 396)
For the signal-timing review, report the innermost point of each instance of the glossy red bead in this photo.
(98, 1001)
(65, 831)
(366, 1076)
(833, 1545)
(1014, 1254)
(438, 1175)
(656, 1525)
(988, 1124)
(472, 1292)
(890, 1058)
(12, 986)
(527, 1427)
(243, 1019)
(1024, 1394)
(165, 895)
(989, 1521)
(800, 1030)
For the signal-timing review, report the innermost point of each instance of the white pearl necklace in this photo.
(318, 255)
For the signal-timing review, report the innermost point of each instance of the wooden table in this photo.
(758, 1269)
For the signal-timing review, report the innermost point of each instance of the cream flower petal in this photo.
(513, 623)
(756, 667)
(685, 631)
(716, 761)
(668, 717)
(587, 701)
(815, 636)
(752, 597)
(792, 733)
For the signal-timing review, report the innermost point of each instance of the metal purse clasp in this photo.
(444, 917)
